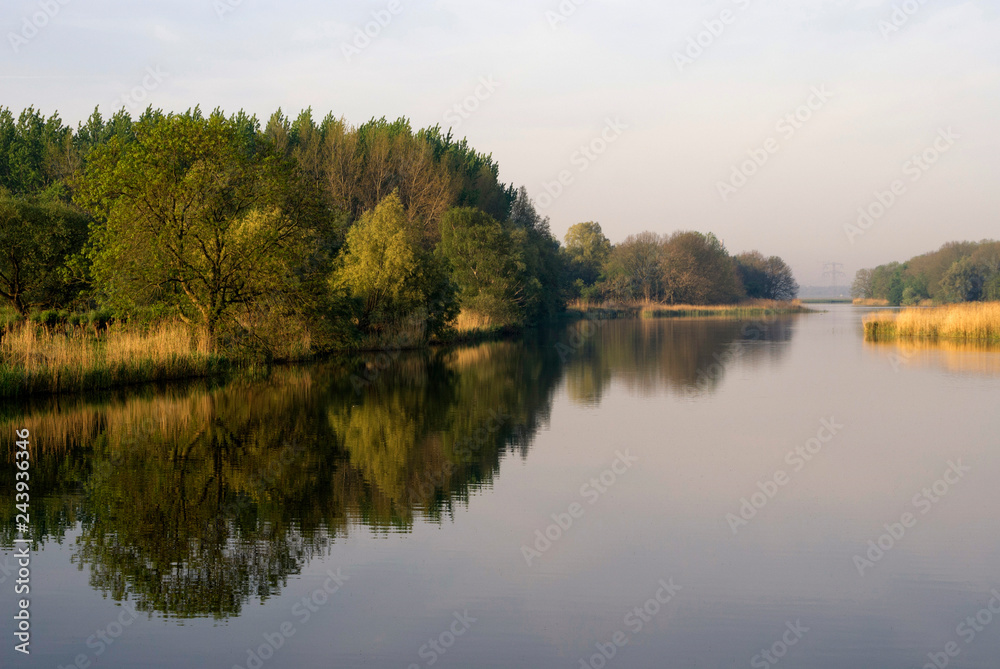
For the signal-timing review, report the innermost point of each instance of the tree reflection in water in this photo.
(193, 501)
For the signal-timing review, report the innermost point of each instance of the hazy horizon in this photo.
(548, 80)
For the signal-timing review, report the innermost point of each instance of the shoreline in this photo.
(64, 371)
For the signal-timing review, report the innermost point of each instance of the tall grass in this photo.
(748, 309)
(35, 359)
(971, 321)
(751, 309)
(870, 302)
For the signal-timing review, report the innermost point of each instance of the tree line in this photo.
(251, 231)
(685, 267)
(957, 272)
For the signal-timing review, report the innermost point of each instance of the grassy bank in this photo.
(752, 309)
(868, 302)
(970, 321)
(37, 360)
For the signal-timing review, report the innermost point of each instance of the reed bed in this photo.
(870, 302)
(978, 321)
(35, 359)
(750, 309)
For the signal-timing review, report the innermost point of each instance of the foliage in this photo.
(957, 272)
(386, 271)
(766, 278)
(36, 241)
(194, 215)
(587, 252)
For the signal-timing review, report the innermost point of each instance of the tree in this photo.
(385, 269)
(862, 287)
(766, 278)
(487, 267)
(194, 214)
(697, 269)
(635, 269)
(36, 239)
(963, 282)
(587, 251)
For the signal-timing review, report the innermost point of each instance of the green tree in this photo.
(194, 214)
(487, 266)
(587, 251)
(963, 282)
(36, 240)
(385, 269)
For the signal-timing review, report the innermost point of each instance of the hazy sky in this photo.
(886, 80)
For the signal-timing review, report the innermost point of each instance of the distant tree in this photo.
(194, 215)
(36, 240)
(587, 251)
(697, 269)
(635, 269)
(767, 278)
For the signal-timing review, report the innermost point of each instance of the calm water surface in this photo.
(524, 504)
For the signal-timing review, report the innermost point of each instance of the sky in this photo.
(848, 131)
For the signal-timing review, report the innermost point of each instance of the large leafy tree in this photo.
(487, 265)
(390, 276)
(194, 212)
(36, 239)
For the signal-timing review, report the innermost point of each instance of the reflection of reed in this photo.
(977, 358)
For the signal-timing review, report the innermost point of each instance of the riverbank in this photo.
(752, 309)
(977, 321)
(36, 359)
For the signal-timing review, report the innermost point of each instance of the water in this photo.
(390, 514)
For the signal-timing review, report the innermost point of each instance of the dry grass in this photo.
(750, 308)
(35, 359)
(471, 321)
(979, 321)
(868, 302)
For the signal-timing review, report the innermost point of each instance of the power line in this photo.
(834, 271)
